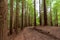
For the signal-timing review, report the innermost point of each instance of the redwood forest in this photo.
(29, 19)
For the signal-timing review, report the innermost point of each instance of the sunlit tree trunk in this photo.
(3, 20)
(40, 14)
(34, 12)
(11, 16)
(45, 13)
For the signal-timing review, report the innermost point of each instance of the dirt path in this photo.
(30, 34)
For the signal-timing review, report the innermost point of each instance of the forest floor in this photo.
(40, 33)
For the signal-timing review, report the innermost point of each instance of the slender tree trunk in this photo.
(25, 14)
(3, 20)
(22, 14)
(56, 24)
(11, 16)
(45, 13)
(34, 12)
(29, 19)
(17, 17)
(25, 19)
(50, 15)
(40, 14)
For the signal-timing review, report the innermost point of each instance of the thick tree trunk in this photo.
(3, 20)
(11, 16)
(45, 14)
(34, 12)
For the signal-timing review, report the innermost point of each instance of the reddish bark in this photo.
(3, 20)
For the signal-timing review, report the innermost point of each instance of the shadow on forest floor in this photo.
(40, 33)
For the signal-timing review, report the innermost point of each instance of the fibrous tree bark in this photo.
(45, 13)
(3, 20)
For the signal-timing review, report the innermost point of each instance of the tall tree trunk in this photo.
(56, 24)
(34, 12)
(40, 14)
(3, 20)
(28, 18)
(50, 15)
(25, 19)
(45, 14)
(17, 17)
(11, 16)
(25, 14)
(22, 14)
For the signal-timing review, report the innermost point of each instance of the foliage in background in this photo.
(55, 5)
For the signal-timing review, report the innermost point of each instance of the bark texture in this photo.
(3, 20)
